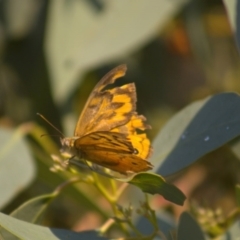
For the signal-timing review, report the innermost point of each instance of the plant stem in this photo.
(135, 230)
(111, 199)
(121, 190)
(114, 186)
(106, 226)
(67, 183)
(102, 189)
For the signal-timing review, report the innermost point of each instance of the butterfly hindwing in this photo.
(105, 141)
(111, 150)
(121, 162)
(138, 140)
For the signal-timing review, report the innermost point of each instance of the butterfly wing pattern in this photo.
(106, 132)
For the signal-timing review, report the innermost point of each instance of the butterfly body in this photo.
(106, 132)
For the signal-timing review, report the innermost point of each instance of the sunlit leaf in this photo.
(25, 230)
(155, 184)
(17, 168)
(198, 129)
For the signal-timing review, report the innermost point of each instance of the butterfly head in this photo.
(68, 145)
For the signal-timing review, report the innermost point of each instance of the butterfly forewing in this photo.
(107, 109)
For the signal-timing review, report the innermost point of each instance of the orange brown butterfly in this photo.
(107, 131)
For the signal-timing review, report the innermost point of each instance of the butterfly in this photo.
(107, 131)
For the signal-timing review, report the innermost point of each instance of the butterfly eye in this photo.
(136, 151)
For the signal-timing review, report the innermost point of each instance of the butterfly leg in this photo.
(87, 163)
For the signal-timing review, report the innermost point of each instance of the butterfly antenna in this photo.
(40, 115)
(50, 135)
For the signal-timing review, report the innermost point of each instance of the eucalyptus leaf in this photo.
(155, 184)
(165, 223)
(20, 17)
(17, 168)
(32, 210)
(188, 228)
(79, 38)
(233, 12)
(232, 233)
(28, 231)
(198, 129)
(147, 182)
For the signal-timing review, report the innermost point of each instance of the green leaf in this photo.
(79, 38)
(188, 228)
(233, 7)
(20, 17)
(155, 184)
(27, 231)
(32, 210)
(195, 131)
(232, 233)
(17, 168)
(165, 222)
